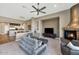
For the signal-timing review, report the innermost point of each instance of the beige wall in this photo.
(27, 23)
(64, 18)
(34, 25)
(4, 27)
(52, 23)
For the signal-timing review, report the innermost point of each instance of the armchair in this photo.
(66, 50)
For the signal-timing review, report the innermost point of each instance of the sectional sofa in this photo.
(33, 45)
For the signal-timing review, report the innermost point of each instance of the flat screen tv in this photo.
(49, 30)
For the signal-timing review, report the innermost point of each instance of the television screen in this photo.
(49, 30)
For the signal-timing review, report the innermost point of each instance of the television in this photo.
(49, 30)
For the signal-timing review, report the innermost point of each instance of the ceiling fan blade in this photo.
(42, 8)
(37, 9)
(32, 11)
(43, 12)
(34, 7)
(37, 13)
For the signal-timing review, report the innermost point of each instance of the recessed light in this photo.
(24, 6)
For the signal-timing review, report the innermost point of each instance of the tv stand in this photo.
(49, 35)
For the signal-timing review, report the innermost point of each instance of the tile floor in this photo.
(12, 48)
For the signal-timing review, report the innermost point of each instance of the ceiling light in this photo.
(24, 6)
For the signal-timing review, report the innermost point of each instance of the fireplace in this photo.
(71, 31)
(70, 34)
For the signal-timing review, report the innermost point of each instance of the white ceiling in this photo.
(16, 11)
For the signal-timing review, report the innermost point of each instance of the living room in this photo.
(48, 26)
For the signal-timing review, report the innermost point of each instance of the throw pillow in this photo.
(39, 42)
(70, 45)
(36, 43)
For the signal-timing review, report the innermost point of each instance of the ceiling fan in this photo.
(38, 10)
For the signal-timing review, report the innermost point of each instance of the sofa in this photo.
(65, 50)
(33, 45)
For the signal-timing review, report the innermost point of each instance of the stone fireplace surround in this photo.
(71, 31)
